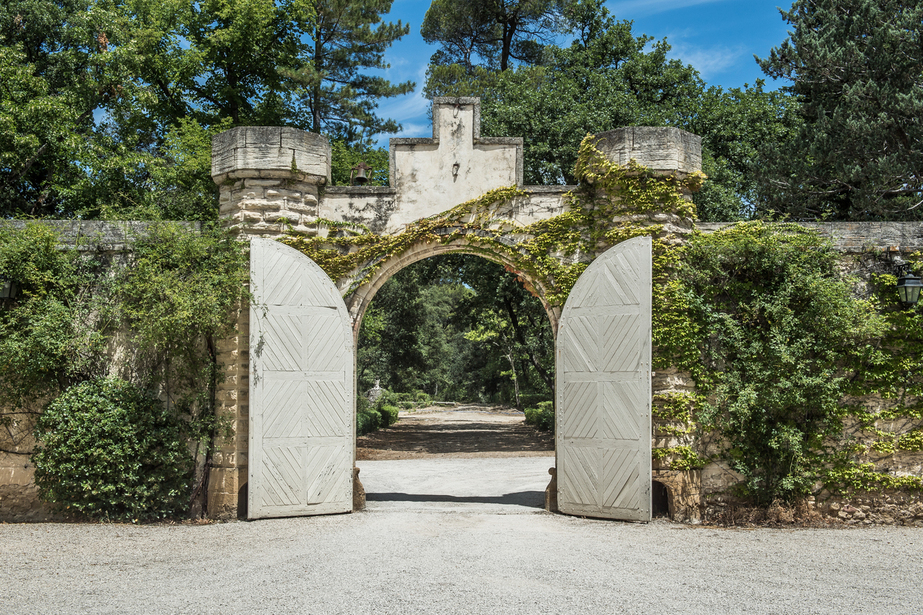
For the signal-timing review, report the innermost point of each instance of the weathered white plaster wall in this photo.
(429, 176)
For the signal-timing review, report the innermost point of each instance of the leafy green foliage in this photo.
(175, 299)
(541, 416)
(38, 133)
(856, 68)
(607, 78)
(52, 335)
(165, 311)
(893, 366)
(367, 421)
(493, 32)
(345, 157)
(111, 451)
(336, 97)
(389, 415)
(775, 325)
(460, 327)
(108, 108)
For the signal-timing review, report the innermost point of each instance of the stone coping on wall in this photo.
(388, 191)
(846, 236)
(97, 234)
(856, 237)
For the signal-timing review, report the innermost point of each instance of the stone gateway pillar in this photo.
(268, 180)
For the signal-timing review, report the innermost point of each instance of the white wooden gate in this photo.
(302, 388)
(603, 388)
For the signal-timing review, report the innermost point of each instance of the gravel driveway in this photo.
(425, 545)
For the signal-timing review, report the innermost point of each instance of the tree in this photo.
(856, 68)
(129, 80)
(57, 70)
(607, 78)
(735, 124)
(338, 99)
(198, 69)
(460, 327)
(492, 31)
(220, 58)
(38, 133)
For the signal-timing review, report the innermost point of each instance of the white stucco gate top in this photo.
(292, 388)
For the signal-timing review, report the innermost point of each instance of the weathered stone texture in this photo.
(659, 149)
(883, 508)
(858, 237)
(264, 151)
(228, 476)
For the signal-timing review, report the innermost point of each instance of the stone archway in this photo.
(302, 402)
(272, 182)
(358, 302)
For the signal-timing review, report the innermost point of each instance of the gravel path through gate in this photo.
(404, 561)
(456, 534)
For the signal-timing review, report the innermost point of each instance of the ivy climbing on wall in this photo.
(779, 343)
(612, 204)
(82, 317)
(783, 348)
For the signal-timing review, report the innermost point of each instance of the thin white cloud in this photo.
(408, 110)
(711, 61)
(629, 9)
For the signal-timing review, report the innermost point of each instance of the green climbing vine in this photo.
(784, 349)
(610, 206)
(886, 393)
(123, 356)
(778, 342)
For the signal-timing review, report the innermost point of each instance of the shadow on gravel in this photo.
(532, 499)
(418, 436)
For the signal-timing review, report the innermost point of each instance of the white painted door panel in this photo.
(603, 388)
(302, 398)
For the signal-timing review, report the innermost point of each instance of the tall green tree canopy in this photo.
(108, 106)
(57, 68)
(607, 78)
(856, 68)
(490, 32)
(337, 97)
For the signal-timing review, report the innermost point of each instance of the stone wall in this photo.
(18, 493)
(275, 180)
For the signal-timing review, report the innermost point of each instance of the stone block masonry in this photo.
(269, 178)
(275, 180)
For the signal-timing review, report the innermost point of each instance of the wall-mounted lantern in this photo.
(908, 285)
(357, 175)
(7, 288)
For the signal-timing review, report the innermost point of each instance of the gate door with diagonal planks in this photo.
(302, 397)
(603, 388)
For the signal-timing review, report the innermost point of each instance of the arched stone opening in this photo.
(496, 288)
(359, 300)
(481, 422)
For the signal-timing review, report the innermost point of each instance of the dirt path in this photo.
(464, 431)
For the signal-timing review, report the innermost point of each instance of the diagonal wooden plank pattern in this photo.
(603, 392)
(302, 397)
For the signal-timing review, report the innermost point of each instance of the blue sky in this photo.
(718, 37)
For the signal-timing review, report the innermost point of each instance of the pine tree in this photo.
(490, 32)
(856, 68)
(338, 98)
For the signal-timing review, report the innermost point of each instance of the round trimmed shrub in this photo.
(112, 452)
(367, 421)
(389, 415)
